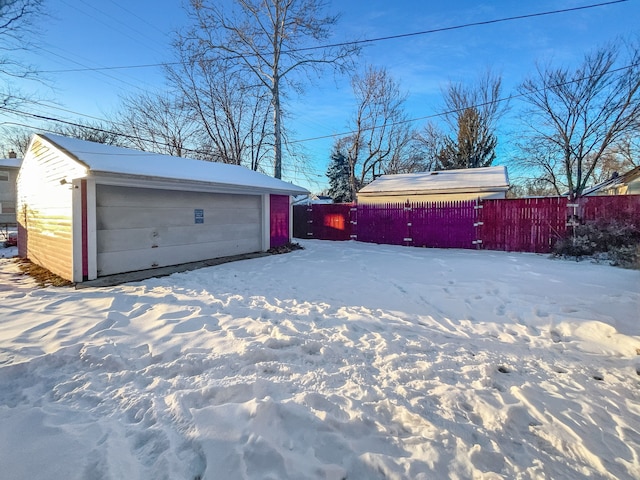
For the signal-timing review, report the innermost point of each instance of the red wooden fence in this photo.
(522, 225)
(625, 208)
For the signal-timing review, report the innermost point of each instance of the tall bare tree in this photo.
(272, 42)
(381, 134)
(158, 123)
(232, 116)
(581, 114)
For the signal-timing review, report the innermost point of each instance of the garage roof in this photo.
(469, 179)
(107, 159)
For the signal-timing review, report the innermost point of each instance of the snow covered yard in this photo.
(340, 361)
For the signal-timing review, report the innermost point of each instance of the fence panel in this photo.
(443, 224)
(301, 225)
(323, 221)
(383, 223)
(523, 225)
(332, 221)
(624, 208)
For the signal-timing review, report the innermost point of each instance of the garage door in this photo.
(140, 228)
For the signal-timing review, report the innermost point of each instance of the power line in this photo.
(466, 25)
(448, 112)
(365, 41)
(311, 171)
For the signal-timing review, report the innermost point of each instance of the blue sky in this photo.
(88, 34)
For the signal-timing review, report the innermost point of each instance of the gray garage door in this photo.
(141, 228)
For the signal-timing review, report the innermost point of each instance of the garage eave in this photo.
(127, 180)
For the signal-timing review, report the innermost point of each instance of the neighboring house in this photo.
(445, 185)
(87, 210)
(625, 184)
(9, 168)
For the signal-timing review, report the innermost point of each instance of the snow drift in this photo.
(340, 361)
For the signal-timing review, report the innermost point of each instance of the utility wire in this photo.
(449, 112)
(365, 41)
(439, 114)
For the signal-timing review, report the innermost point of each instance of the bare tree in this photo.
(472, 113)
(270, 41)
(540, 160)
(158, 123)
(430, 141)
(93, 132)
(16, 139)
(381, 132)
(628, 149)
(620, 158)
(231, 116)
(16, 35)
(582, 114)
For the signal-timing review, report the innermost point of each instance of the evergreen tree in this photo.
(338, 174)
(475, 144)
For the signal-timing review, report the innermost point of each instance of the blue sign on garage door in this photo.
(199, 215)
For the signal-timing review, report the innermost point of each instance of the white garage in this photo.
(87, 210)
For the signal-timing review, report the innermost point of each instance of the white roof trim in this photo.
(107, 161)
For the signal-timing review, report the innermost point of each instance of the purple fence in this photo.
(520, 225)
(441, 225)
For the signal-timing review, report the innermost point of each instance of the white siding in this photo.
(44, 208)
(140, 228)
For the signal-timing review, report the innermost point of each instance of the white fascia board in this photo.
(107, 178)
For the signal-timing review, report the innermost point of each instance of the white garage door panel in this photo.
(141, 228)
(113, 218)
(110, 263)
(113, 196)
(117, 241)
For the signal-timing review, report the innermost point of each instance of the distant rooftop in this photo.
(486, 178)
(10, 162)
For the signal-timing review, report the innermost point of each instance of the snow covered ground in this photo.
(340, 361)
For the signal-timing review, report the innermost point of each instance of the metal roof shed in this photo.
(87, 210)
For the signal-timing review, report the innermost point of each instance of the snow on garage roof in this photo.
(468, 179)
(100, 158)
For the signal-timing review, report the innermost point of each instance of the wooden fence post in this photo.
(477, 223)
(310, 220)
(353, 221)
(408, 222)
(573, 220)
